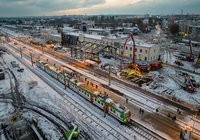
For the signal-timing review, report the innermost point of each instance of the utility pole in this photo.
(64, 79)
(71, 51)
(109, 75)
(20, 49)
(31, 58)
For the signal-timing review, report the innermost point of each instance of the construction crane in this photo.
(130, 36)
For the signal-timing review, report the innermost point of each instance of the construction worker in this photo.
(156, 109)
(169, 115)
(181, 135)
(127, 100)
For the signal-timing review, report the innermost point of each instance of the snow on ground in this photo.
(48, 129)
(105, 82)
(14, 33)
(170, 56)
(178, 92)
(5, 110)
(5, 84)
(44, 95)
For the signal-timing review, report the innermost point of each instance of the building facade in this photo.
(144, 51)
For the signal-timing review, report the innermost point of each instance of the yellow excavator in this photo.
(197, 64)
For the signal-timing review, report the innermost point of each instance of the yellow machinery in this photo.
(197, 64)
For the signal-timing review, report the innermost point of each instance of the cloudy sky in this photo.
(91, 7)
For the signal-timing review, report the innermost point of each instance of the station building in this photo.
(114, 43)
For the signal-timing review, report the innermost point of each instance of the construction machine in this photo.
(156, 65)
(197, 64)
(130, 36)
(178, 63)
(189, 57)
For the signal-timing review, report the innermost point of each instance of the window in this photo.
(130, 48)
(87, 82)
(130, 55)
(96, 86)
(85, 79)
(141, 50)
(126, 48)
(145, 58)
(154, 50)
(145, 51)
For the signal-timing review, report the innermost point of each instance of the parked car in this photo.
(20, 70)
(14, 64)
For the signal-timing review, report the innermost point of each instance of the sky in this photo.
(13, 8)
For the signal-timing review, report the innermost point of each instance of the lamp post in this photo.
(20, 49)
(31, 55)
(109, 75)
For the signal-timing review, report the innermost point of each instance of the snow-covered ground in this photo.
(5, 110)
(47, 128)
(14, 33)
(45, 96)
(169, 57)
(125, 91)
(168, 83)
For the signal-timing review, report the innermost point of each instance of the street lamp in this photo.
(109, 75)
(31, 55)
(20, 49)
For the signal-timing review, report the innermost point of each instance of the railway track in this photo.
(34, 107)
(136, 102)
(144, 132)
(104, 130)
(105, 75)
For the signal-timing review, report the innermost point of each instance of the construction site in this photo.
(173, 75)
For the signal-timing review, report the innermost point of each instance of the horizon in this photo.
(28, 8)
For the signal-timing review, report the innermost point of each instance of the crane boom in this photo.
(130, 36)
